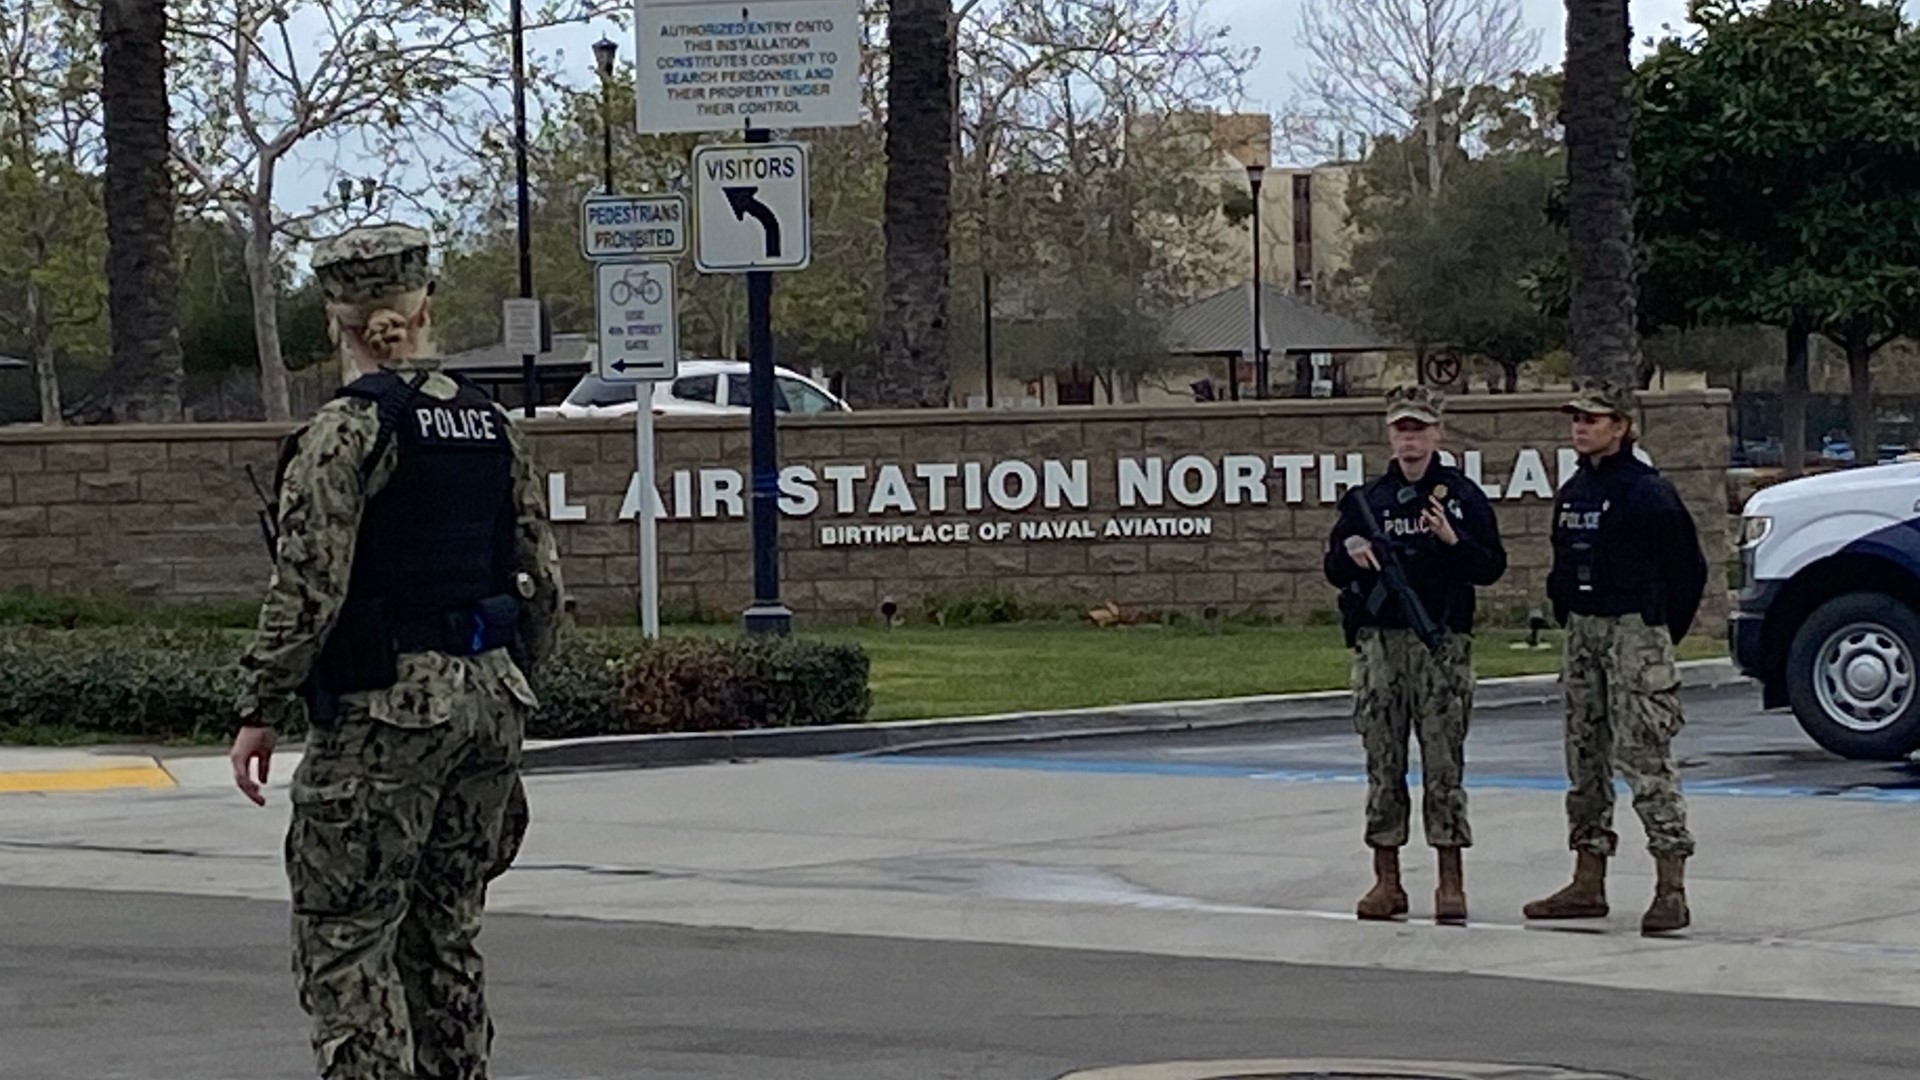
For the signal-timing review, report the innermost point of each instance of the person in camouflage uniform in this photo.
(416, 587)
(1626, 582)
(1443, 531)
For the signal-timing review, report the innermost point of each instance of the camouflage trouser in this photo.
(395, 832)
(1623, 710)
(1400, 688)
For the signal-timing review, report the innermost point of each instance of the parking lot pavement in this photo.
(124, 986)
(1243, 854)
(1729, 747)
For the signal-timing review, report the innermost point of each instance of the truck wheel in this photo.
(1852, 677)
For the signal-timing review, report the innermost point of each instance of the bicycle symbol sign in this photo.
(639, 331)
(636, 284)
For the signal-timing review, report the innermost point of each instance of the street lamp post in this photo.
(986, 285)
(604, 51)
(1256, 173)
(530, 385)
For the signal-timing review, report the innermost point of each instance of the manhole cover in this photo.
(1339, 1070)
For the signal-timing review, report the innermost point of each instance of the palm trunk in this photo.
(1603, 327)
(1793, 401)
(1860, 418)
(916, 361)
(266, 307)
(142, 281)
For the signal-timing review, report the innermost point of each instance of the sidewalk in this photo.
(34, 769)
(1794, 898)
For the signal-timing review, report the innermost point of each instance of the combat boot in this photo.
(1450, 899)
(1585, 898)
(1386, 899)
(1669, 910)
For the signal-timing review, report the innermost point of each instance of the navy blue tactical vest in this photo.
(439, 537)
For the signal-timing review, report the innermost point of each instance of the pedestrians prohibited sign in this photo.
(633, 226)
(751, 203)
(639, 335)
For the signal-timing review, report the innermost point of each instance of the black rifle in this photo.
(1393, 578)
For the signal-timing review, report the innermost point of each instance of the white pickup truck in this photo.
(1828, 614)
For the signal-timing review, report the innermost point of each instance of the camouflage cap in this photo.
(1598, 397)
(371, 262)
(1415, 403)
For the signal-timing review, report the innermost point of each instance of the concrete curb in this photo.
(1252, 713)
(1308, 1069)
(34, 771)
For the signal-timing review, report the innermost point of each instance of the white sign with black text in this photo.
(520, 326)
(633, 226)
(725, 65)
(751, 203)
(639, 333)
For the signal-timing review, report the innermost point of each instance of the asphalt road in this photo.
(102, 986)
(1728, 746)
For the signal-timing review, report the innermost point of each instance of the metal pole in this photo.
(986, 290)
(767, 615)
(530, 384)
(1259, 329)
(649, 531)
(606, 134)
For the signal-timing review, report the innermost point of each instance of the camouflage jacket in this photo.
(321, 501)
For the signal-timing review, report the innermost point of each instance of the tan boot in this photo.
(1450, 899)
(1669, 910)
(1386, 899)
(1586, 898)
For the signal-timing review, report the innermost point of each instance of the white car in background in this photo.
(703, 388)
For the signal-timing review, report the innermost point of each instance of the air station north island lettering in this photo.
(1169, 496)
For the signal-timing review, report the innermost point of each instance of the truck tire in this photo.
(1853, 677)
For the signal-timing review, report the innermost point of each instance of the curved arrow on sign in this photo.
(745, 201)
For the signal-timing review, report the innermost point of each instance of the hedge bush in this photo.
(117, 683)
(162, 685)
(728, 684)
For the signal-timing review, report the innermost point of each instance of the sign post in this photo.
(752, 65)
(639, 345)
(753, 213)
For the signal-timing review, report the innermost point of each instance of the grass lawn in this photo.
(919, 673)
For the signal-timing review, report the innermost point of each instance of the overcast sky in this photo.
(1271, 25)
(1272, 81)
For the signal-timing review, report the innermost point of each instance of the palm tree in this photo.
(142, 281)
(917, 345)
(1594, 112)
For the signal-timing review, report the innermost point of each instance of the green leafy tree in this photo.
(52, 225)
(1778, 152)
(259, 79)
(1095, 323)
(1450, 270)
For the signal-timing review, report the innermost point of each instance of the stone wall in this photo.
(1187, 509)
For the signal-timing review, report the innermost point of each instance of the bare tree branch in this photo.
(1383, 66)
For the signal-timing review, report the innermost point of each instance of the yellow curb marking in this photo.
(150, 777)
